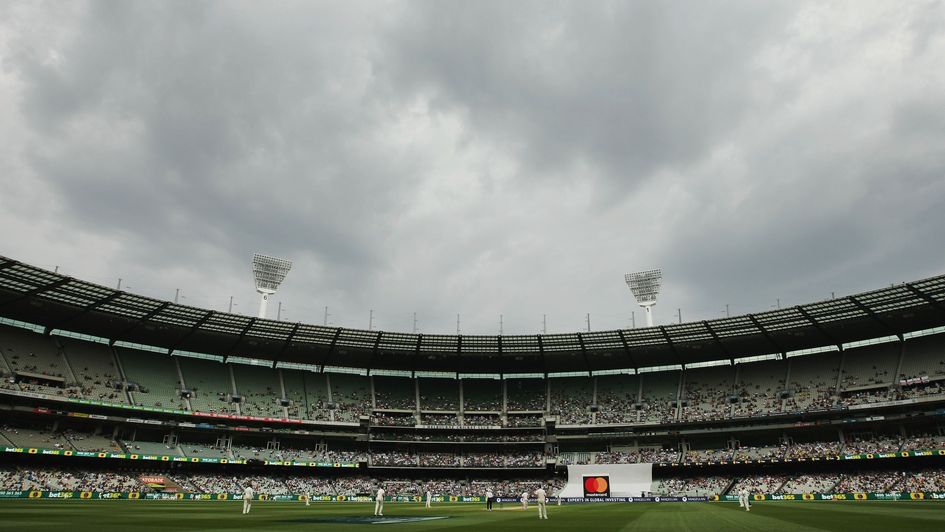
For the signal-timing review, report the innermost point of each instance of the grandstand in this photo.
(815, 416)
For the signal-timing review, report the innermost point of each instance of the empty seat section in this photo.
(92, 442)
(155, 377)
(813, 381)
(94, 367)
(294, 382)
(259, 387)
(33, 357)
(210, 385)
(316, 392)
(152, 447)
(925, 356)
(44, 439)
(870, 365)
(202, 450)
(351, 395)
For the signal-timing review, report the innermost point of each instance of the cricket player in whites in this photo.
(247, 499)
(429, 498)
(379, 502)
(743, 501)
(540, 499)
(524, 499)
(308, 498)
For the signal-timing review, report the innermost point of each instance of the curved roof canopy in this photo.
(55, 301)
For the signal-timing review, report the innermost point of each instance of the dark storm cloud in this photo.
(204, 123)
(627, 87)
(481, 158)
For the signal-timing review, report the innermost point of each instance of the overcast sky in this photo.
(477, 157)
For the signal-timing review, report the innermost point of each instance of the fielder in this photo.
(429, 498)
(308, 498)
(743, 501)
(524, 500)
(379, 502)
(247, 499)
(488, 500)
(540, 499)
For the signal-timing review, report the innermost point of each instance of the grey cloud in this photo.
(480, 157)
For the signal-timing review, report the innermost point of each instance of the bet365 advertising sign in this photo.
(597, 486)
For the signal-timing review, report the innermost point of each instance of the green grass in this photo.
(139, 516)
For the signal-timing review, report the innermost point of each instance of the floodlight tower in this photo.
(269, 273)
(645, 287)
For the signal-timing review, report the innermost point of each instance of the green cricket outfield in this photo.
(140, 516)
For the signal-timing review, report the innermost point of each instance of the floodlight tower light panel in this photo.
(645, 286)
(269, 273)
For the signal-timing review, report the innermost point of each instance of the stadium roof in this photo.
(55, 301)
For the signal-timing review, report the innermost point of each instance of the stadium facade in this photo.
(843, 396)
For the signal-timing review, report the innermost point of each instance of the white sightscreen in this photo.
(626, 480)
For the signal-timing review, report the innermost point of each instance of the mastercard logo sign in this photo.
(597, 486)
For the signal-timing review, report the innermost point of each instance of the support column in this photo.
(902, 356)
(843, 356)
(183, 385)
(416, 393)
(679, 393)
(639, 394)
(462, 400)
(239, 407)
(285, 409)
(547, 394)
(331, 413)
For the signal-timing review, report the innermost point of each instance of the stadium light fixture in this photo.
(645, 286)
(269, 273)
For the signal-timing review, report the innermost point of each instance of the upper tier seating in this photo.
(571, 398)
(351, 394)
(482, 395)
(526, 395)
(156, 377)
(439, 394)
(260, 389)
(210, 384)
(395, 393)
(94, 367)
